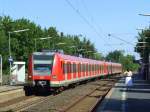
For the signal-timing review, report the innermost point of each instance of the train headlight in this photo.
(30, 76)
(54, 76)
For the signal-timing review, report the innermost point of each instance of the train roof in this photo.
(75, 58)
(86, 60)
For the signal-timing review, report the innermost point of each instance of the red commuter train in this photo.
(53, 70)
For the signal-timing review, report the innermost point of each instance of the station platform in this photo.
(5, 88)
(133, 99)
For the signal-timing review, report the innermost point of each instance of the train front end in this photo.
(40, 69)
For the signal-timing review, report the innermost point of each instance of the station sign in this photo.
(10, 59)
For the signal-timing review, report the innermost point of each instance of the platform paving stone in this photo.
(133, 99)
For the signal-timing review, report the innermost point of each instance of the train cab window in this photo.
(43, 64)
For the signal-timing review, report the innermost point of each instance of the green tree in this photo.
(114, 56)
(23, 43)
(126, 60)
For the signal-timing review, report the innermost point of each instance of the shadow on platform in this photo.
(131, 105)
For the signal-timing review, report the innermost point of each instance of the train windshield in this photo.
(43, 64)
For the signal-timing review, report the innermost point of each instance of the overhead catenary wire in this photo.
(85, 20)
(121, 39)
(92, 19)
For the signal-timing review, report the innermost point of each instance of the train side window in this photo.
(71, 68)
(81, 67)
(68, 67)
(96, 67)
(93, 67)
(84, 67)
(74, 67)
(100, 68)
(87, 67)
(64, 68)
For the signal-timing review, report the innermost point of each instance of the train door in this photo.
(105, 68)
(91, 69)
(68, 70)
(99, 71)
(79, 70)
(87, 70)
(65, 70)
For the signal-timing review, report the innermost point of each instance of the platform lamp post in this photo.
(10, 57)
(145, 57)
(145, 54)
(43, 38)
(88, 52)
(60, 44)
(144, 14)
(74, 49)
(80, 55)
(96, 53)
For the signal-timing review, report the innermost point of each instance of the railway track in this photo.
(10, 94)
(83, 98)
(21, 103)
(88, 102)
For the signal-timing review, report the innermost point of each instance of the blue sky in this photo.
(117, 17)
